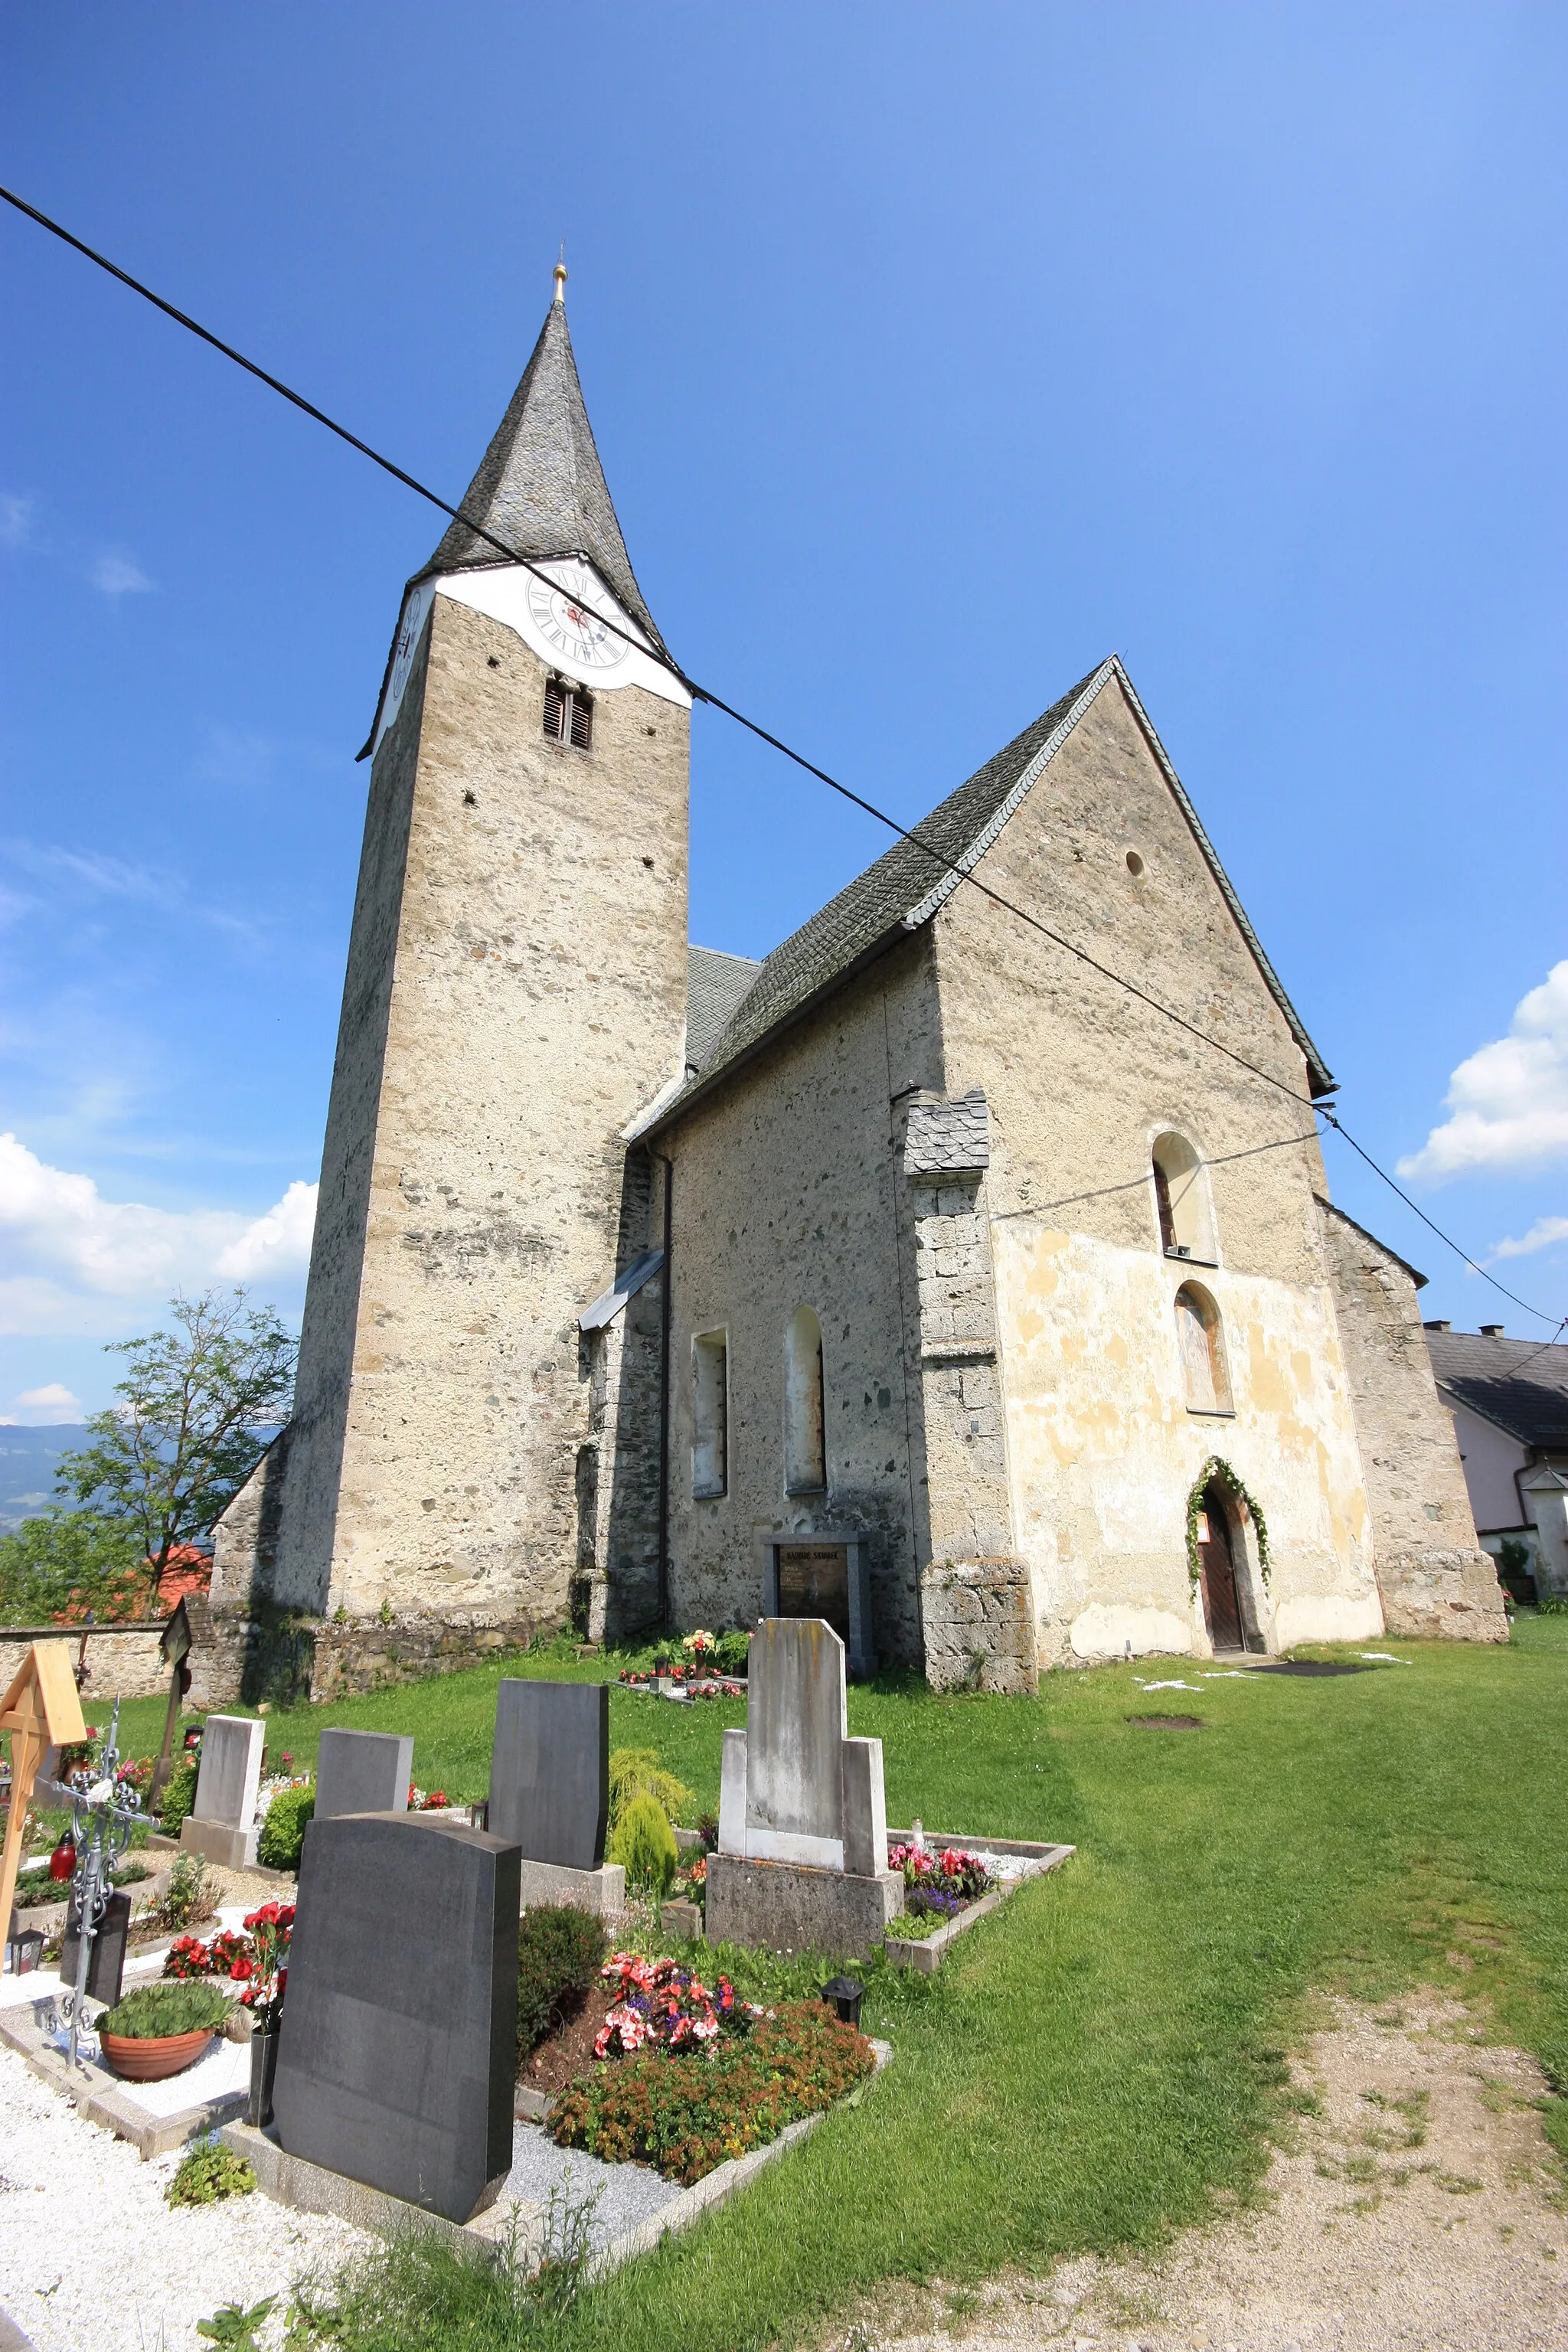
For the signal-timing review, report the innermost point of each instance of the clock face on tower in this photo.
(568, 618)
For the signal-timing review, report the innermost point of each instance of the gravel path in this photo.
(92, 2255)
(626, 2193)
(1415, 2210)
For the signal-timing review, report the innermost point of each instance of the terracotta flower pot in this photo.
(157, 2057)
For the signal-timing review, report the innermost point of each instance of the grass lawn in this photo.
(1103, 2055)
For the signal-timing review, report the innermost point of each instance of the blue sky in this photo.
(932, 355)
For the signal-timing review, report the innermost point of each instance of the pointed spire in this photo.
(540, 487)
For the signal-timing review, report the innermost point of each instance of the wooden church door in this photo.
(1222, 1603)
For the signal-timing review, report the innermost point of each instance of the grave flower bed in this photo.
(938, 1886)
(661, 2005)
(686, 2111)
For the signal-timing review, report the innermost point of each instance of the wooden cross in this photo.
(41, 1710)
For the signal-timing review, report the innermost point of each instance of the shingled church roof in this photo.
(540, 487)
(907, 885)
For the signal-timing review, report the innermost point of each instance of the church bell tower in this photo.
(515, 994)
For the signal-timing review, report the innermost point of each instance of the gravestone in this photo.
(550, 1790)
(802, 1823)
(363, 1772)
(399, 2040)
(106, 1962)
(221, 1824)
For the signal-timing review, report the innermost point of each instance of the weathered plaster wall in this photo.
(789, 1191)
(516, 993)
(1434, 1575)
(1104, 1451)
(1080, 1077)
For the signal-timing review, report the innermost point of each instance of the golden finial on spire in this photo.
(560, 273)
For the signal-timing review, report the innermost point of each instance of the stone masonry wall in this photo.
(522, 909)
(1435, 1579)
(789, 1192)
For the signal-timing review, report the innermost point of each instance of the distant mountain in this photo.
(28, 1462)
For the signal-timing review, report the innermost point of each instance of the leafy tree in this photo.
(184, 1436)
(63, 1566)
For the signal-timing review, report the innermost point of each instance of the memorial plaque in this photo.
(363, 1772)
(814, 1581)
(229, 1773)
(399, 2040)
(106, 1961)
(549, 1771)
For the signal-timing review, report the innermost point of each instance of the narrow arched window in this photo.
(805, 1447)
(1205, 1382)
(1182, 1208)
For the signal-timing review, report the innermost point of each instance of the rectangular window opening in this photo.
(709, 1416)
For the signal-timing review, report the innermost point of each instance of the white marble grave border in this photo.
(312, 2189)
(924, 1954)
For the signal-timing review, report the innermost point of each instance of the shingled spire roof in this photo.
(540, 487)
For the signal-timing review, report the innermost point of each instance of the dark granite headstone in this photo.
(106, 1962)
(363, 1772)
(549, 1771)
(399, 2042)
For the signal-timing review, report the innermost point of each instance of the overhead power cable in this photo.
(716, 701)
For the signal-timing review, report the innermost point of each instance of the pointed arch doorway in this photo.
(1218, 1579)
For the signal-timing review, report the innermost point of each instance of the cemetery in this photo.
(643, 1962)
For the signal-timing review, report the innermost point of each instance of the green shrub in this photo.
(170, 2006)
(637, 1772)
(686, 2115)
(645, 1844)
(188, 1896)
(211, 2171)
(282, 1835)
(179, 1795)
(560, 1951)
(731, 1652)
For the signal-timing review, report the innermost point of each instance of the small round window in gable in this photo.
(1135, 864)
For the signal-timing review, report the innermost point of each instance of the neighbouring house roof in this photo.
(715, 983)
(908, 884)
(1516, 1383)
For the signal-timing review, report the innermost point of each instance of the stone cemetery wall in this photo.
(979, 1626)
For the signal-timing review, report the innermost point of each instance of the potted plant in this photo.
(161, 2028)
(263, 1972)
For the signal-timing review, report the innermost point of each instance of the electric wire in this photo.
(715, 701)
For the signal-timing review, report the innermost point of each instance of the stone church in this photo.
(919, 1276)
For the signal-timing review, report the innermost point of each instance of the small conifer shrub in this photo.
(560, 1950)
(644, 1845)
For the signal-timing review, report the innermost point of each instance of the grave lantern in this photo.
(846, 1994)
(24, 1950)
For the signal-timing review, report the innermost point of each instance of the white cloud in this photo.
(279, 1242)
(1541, 1234)
(1510, 1101)
(118, 575)
(45, 1407)
(16, 519)
(72, 1253)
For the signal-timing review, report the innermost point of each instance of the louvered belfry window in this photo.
(568, 713)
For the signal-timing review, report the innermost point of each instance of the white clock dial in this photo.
(569, 617)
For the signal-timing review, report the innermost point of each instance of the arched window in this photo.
(1182, 1201)
(1205, 1379)
(805, 1447)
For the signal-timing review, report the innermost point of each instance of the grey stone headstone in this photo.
(229, 1773)
(549, 1771)
(796, 1719)
(399, 2043)
(363, 1772)
(106, 1962)
(865, 1807)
